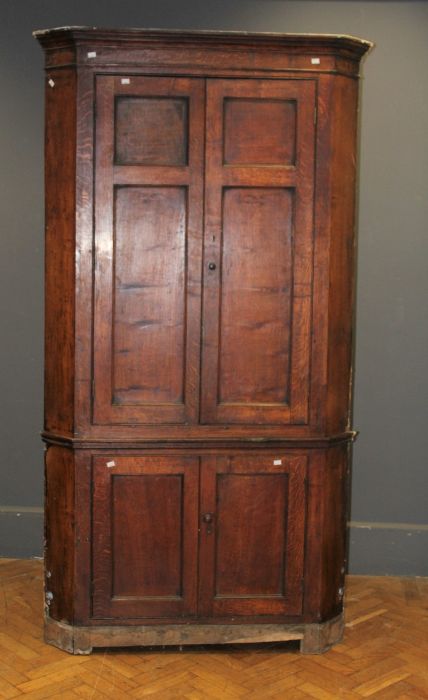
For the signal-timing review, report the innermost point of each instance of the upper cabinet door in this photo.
(148, 231)
(258, 251)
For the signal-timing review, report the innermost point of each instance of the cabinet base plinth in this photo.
(315, 638)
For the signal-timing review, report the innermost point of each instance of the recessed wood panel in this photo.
(259, 132)
(255, 333)
(149, 296)
(251, 515)
(151, 131)
(147, 558)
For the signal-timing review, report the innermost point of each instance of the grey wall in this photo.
(389, 531)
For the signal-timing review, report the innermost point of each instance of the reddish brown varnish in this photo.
(199, 301)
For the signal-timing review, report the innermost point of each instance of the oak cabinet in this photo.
(199, 293)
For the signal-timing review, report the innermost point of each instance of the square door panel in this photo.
(151, 131)
(259, 131)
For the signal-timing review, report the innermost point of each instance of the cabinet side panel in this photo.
(60, 238)
(334, 530)
(342, 242)
(326, 533)
(59, 533)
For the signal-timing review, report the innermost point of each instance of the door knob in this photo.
(208, 519)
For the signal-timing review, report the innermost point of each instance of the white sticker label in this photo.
(51, 82)
(110, 464)
(315, 61)
(92, 54)
(277, 462)
(125, 81)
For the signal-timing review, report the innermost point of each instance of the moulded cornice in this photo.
(342, 44)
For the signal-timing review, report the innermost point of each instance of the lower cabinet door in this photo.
(156, 523)
(252, 535)
(145, 536)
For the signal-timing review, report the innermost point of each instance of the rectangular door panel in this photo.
(252, 535)
(256, 568)
(145, 533)
(149, 295)
(139, 543)
(255, 296)
(148, 233)
(258, 245)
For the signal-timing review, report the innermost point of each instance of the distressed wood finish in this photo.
(315, 638)
(199, 295)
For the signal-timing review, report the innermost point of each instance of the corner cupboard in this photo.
(200, 195)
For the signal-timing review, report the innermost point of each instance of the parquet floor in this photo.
(384, 654)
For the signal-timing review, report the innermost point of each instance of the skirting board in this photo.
(21, 532)
(388, 549)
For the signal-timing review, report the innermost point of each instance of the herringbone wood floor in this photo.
(384, 654)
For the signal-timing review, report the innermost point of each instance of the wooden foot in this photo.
(75, 640)
(320, 638)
